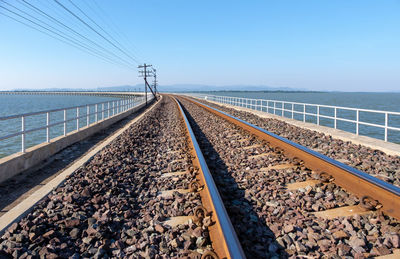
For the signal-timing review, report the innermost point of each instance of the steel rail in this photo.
(222, 234)
(355, 181)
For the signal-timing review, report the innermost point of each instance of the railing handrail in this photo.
(56, 110)
(311, 104)
(257, 104)
(122, 105)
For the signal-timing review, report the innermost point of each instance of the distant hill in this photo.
(174, 88)
(198, 87)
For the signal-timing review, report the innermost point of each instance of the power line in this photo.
(49, 17)
(54, 37)
(107, 20)
(56, 33)
(77, 17)
(101, 28)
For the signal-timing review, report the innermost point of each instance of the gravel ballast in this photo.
(112, 208)
(272, 221)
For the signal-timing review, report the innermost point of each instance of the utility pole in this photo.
(145, 73)
(155, 80)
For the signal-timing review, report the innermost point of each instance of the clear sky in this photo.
(348, 45)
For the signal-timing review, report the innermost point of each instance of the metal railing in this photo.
(83, 113)
(303, 112)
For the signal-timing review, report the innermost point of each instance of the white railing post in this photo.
(335, 122)
(386, 126)
(23, 134)
(77, 118)
(108, 109)
(95, 110)
(47, 127)
(65, 122)
(254, 103)
(102, 111)
(292, 110)
(113, 108)
(357, 121)
(87, 115)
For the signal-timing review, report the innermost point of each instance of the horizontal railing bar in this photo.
(287, 109)
(68, 120)
(11, 135)
(53, 110)
(321, 106)
(393, 128)
(314, 105)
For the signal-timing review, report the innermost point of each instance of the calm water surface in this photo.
(374, 101)
(17, 104)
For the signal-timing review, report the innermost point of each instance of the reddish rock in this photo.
(159, 228)
(340, 234)
(70, 223)
(49, 234)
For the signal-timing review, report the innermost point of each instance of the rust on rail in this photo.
(222, 235)
(354, 181)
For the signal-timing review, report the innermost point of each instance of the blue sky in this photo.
(344, 45)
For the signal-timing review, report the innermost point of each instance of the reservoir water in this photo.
(19, 103)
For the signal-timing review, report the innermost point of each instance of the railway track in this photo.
(286, 200)
(153, 194)
(148, 194)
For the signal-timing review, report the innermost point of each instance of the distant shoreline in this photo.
(279, 91)
(189, 91)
